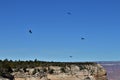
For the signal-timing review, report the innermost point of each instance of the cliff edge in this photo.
(68, 71)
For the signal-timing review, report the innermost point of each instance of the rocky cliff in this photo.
(67, 72)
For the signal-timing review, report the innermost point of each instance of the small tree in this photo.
(24, 69)
(63, 70)
(51, 71)
(44, 70)
(34, 72)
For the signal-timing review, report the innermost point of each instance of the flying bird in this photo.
(82, 38)
(70, 56)
(30, 31)
(69, 13)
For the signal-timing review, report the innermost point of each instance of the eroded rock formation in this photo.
(68, 72)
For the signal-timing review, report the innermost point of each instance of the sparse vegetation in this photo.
(31, 64)
(51, 71)
(34, 72)
(6, 65)
(42, 68)
(63, 70)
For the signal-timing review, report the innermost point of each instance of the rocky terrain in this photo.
(69, 71)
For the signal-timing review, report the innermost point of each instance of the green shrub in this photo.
(63, 70)
(51, 71)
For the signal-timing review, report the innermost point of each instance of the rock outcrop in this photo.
(68, 72)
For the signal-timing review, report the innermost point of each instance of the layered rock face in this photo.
(68, 72)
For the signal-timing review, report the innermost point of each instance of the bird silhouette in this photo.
(69, 13)
(30, 31)
(82, 38)
(70, 56)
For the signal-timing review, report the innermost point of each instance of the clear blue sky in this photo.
(56, 34)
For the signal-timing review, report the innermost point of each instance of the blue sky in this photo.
(57, 35)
